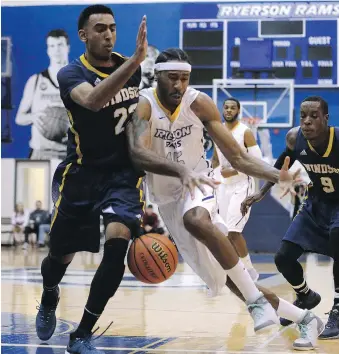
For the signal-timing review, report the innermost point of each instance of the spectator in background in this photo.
(36, 218)
(150, 222)
(19, 222)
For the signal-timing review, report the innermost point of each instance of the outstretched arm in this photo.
(207, 111)
(290, 144)
(291, 137)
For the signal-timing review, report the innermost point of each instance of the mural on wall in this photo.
(212, 35)
(41, 106)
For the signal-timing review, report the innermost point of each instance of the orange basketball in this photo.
(152, 258)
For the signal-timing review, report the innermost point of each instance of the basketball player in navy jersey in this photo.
(99, 91)
(316, 227)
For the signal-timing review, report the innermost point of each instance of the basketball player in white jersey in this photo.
(236, 186)
(169, 120)
(41, 105)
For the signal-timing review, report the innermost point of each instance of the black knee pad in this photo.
(281, 261)
(334, 242)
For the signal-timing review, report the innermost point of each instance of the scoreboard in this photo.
(261, 45)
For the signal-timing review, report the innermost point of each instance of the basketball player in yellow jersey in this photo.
(169, 121)
(236, 186)
(41, 105)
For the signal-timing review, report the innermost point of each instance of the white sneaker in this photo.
(25, 246)
(310, 328)
(254, 274)
(263, 314)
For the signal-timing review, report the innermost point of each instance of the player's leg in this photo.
(303, 234)
(121, 207)
(53, 267)
(235, 223)
(106, 280)
(310, 325)
(332, 326)
(197, 220)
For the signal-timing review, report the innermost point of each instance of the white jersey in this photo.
(238, 133)
(178, 138)
(45, 94)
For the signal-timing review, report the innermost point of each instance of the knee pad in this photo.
(334, 242)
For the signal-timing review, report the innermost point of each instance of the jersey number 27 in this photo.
(122, 114)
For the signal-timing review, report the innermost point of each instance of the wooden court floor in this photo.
(174, 317)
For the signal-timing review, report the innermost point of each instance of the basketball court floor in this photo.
(174, 317)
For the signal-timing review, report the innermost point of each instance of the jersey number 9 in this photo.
(327, 184)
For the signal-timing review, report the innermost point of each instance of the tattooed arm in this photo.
(139, 142)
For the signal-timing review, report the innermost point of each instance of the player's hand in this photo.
(142, 44)
(190, 180)
(249, 201)
(287, 180)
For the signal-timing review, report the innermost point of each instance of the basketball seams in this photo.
(153, 258)
(175, 262)
(136, 263)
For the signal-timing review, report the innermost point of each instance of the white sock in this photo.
(289, 311)
(244, 282)
(247, 262)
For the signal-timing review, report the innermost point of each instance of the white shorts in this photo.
(230, 196)
(196, 254)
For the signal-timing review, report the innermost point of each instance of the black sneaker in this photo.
(305, 302)
(45, 321)
(331, 330)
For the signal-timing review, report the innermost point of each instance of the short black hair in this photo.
(56, 33)
(149, 206)
(323, 103)
(92, 10)
(172, 54)
(234, 100)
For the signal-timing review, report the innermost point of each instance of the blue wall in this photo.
(28, 27)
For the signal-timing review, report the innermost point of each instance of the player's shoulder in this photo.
(291, 137)
(74, 67)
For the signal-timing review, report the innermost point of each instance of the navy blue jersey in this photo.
(98, 138)
(323, 170)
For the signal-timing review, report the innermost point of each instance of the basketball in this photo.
(152, 258)
(55, 123)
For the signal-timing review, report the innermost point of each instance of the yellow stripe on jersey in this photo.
(171, 117)
(77, 139)
(56, 210)
(329, 146)
(91, 68)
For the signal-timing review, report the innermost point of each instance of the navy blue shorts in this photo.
(81, 194)
(310, 229)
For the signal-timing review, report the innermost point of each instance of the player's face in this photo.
(313, 121)
(230, 111)
(172, 86)
(57, 49)
(99, 35)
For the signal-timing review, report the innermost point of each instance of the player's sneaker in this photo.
(305, 302)
(84, 345)
(332, 326)
(254, 274)
(310, 327)
(263, 314)
(45, 321)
